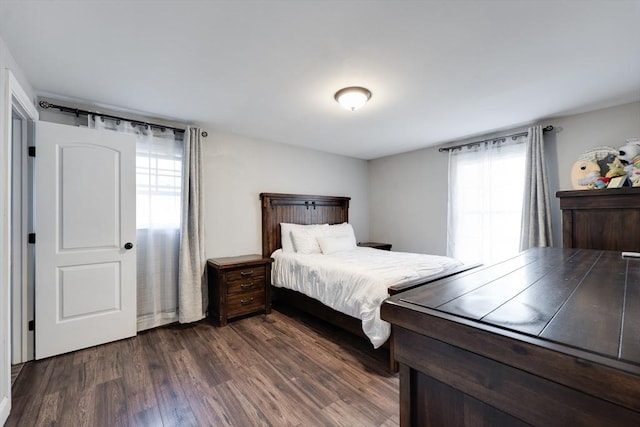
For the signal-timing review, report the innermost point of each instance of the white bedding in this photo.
(355, 281)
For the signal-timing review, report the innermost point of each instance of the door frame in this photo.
(15, 97)
(21, 254)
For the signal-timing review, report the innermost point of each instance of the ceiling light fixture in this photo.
(352, 97)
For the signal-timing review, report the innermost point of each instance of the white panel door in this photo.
(85, 233)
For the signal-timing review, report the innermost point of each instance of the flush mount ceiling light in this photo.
(352, 97)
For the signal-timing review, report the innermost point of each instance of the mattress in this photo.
(355, 282)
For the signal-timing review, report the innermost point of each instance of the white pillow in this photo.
(285, 233)
(305, 241)
(337, 230)
(285, 237)
(331, 244)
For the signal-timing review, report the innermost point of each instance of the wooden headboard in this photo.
(298, 209)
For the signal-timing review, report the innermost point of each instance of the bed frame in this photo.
(306, 209)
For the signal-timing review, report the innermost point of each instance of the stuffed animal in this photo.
(616, 168)
(583, 174)
(629, 151)
(601, 182)
(590, 166)
(629, 155)
(604, 162)
(633, 171)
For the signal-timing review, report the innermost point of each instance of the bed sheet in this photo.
(355, 282)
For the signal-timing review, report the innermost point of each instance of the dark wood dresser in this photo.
(606, 219)
(238, 286)
(548, 338)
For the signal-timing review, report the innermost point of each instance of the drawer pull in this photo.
(246, 285)
(246, 301)
(245, 273)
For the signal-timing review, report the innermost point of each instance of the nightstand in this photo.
(238, 286)
(376, 245)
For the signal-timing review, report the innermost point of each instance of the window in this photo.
(486, 185)
(158, 212)
(158, 181)
(158, 216)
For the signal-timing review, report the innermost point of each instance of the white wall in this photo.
(8, 61)
(238, 169)
(409, 191)
(409, 201)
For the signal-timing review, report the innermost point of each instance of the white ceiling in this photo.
(438, 70)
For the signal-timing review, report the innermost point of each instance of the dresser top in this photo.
(605, 192)
(587, 300)
(608, 198)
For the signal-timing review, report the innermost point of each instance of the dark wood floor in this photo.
(285, 369)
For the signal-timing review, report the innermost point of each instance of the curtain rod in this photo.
(499, 138)
(78, 112)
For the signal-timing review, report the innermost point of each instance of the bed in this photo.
(307, 209)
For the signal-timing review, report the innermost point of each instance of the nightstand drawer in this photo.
(245, 285)
(244, 303)
(246, 274)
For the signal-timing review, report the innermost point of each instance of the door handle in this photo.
(128, 245)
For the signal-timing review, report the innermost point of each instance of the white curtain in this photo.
(158, 218)
(485, 200)
(192, 287)
(536, 213)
